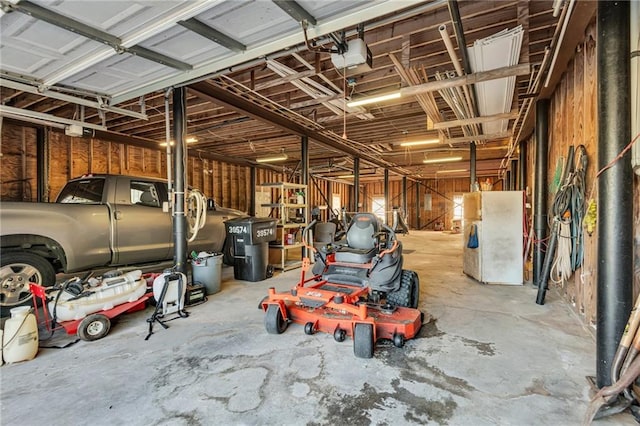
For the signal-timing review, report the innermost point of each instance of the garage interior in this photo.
(101, 87)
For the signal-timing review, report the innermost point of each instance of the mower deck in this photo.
(341, 310)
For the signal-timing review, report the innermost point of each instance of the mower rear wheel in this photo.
(274, 321)
(94, 327)
(339, 335)
(408, 295)
(363, 340)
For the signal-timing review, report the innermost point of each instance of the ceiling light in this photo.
(423, 142)
(190, 139)
(344, 176)
(374, 99)
(452, 171)
(272, 158)
(441, 160)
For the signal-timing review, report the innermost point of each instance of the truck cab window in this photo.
(144, 193)
(86, 191)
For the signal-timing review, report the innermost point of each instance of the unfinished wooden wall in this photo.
(441, 192)
(573, 122)
(69, 157)
(17, 161)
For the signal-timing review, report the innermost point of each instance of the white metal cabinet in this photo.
(498, 217)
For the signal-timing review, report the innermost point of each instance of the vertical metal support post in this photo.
(386, 195)
(41, 164)
(179, 218)
(356, 183)
(514, 174)
(330, 198)
(540, 199)
(304, 161)
(507, 181)
(615, 187)
(522, 166)
(304, 180)
(253, 183)
(418, 205)
(405, 203)
(472, 165)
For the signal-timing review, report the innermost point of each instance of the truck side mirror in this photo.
(165, 206)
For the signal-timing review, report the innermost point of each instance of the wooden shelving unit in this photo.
(290, 209)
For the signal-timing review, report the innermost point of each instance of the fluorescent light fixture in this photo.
(423, 142)
(272, 158)
(344, 176)
(165, 144)
(374, 99)
(452, 171)
(441, 160)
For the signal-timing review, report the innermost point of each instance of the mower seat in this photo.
(324, 233)
(362, 240)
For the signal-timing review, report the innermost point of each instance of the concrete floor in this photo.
(490, 356)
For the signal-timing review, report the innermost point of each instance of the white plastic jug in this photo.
(20, 339)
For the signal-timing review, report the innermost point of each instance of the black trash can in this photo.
(250, 238)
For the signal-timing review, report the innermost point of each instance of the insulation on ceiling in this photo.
(496, 96)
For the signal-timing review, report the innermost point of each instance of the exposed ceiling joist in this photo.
(217, 94)
(73, 99)
(467, 139)
(432, 86)
(477, 120)
(42, 118)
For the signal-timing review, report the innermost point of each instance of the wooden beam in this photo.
(285, 79)
(476, 120)
(477, 77)
(317, 101)
(503, 135)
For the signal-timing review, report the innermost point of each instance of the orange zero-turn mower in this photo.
(343, 297)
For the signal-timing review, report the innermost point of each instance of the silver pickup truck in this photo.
(97, 221)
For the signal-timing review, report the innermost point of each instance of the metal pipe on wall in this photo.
(540, 200)
(522, 166)
(179, 218)
(615, 187)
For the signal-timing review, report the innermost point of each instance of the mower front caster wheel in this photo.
(398, 340)
(339, 335)
(274, 322)
(308, 329)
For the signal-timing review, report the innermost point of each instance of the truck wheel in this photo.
(408, 295)
(17, 271)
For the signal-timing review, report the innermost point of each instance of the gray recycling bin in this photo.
(250, 238)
